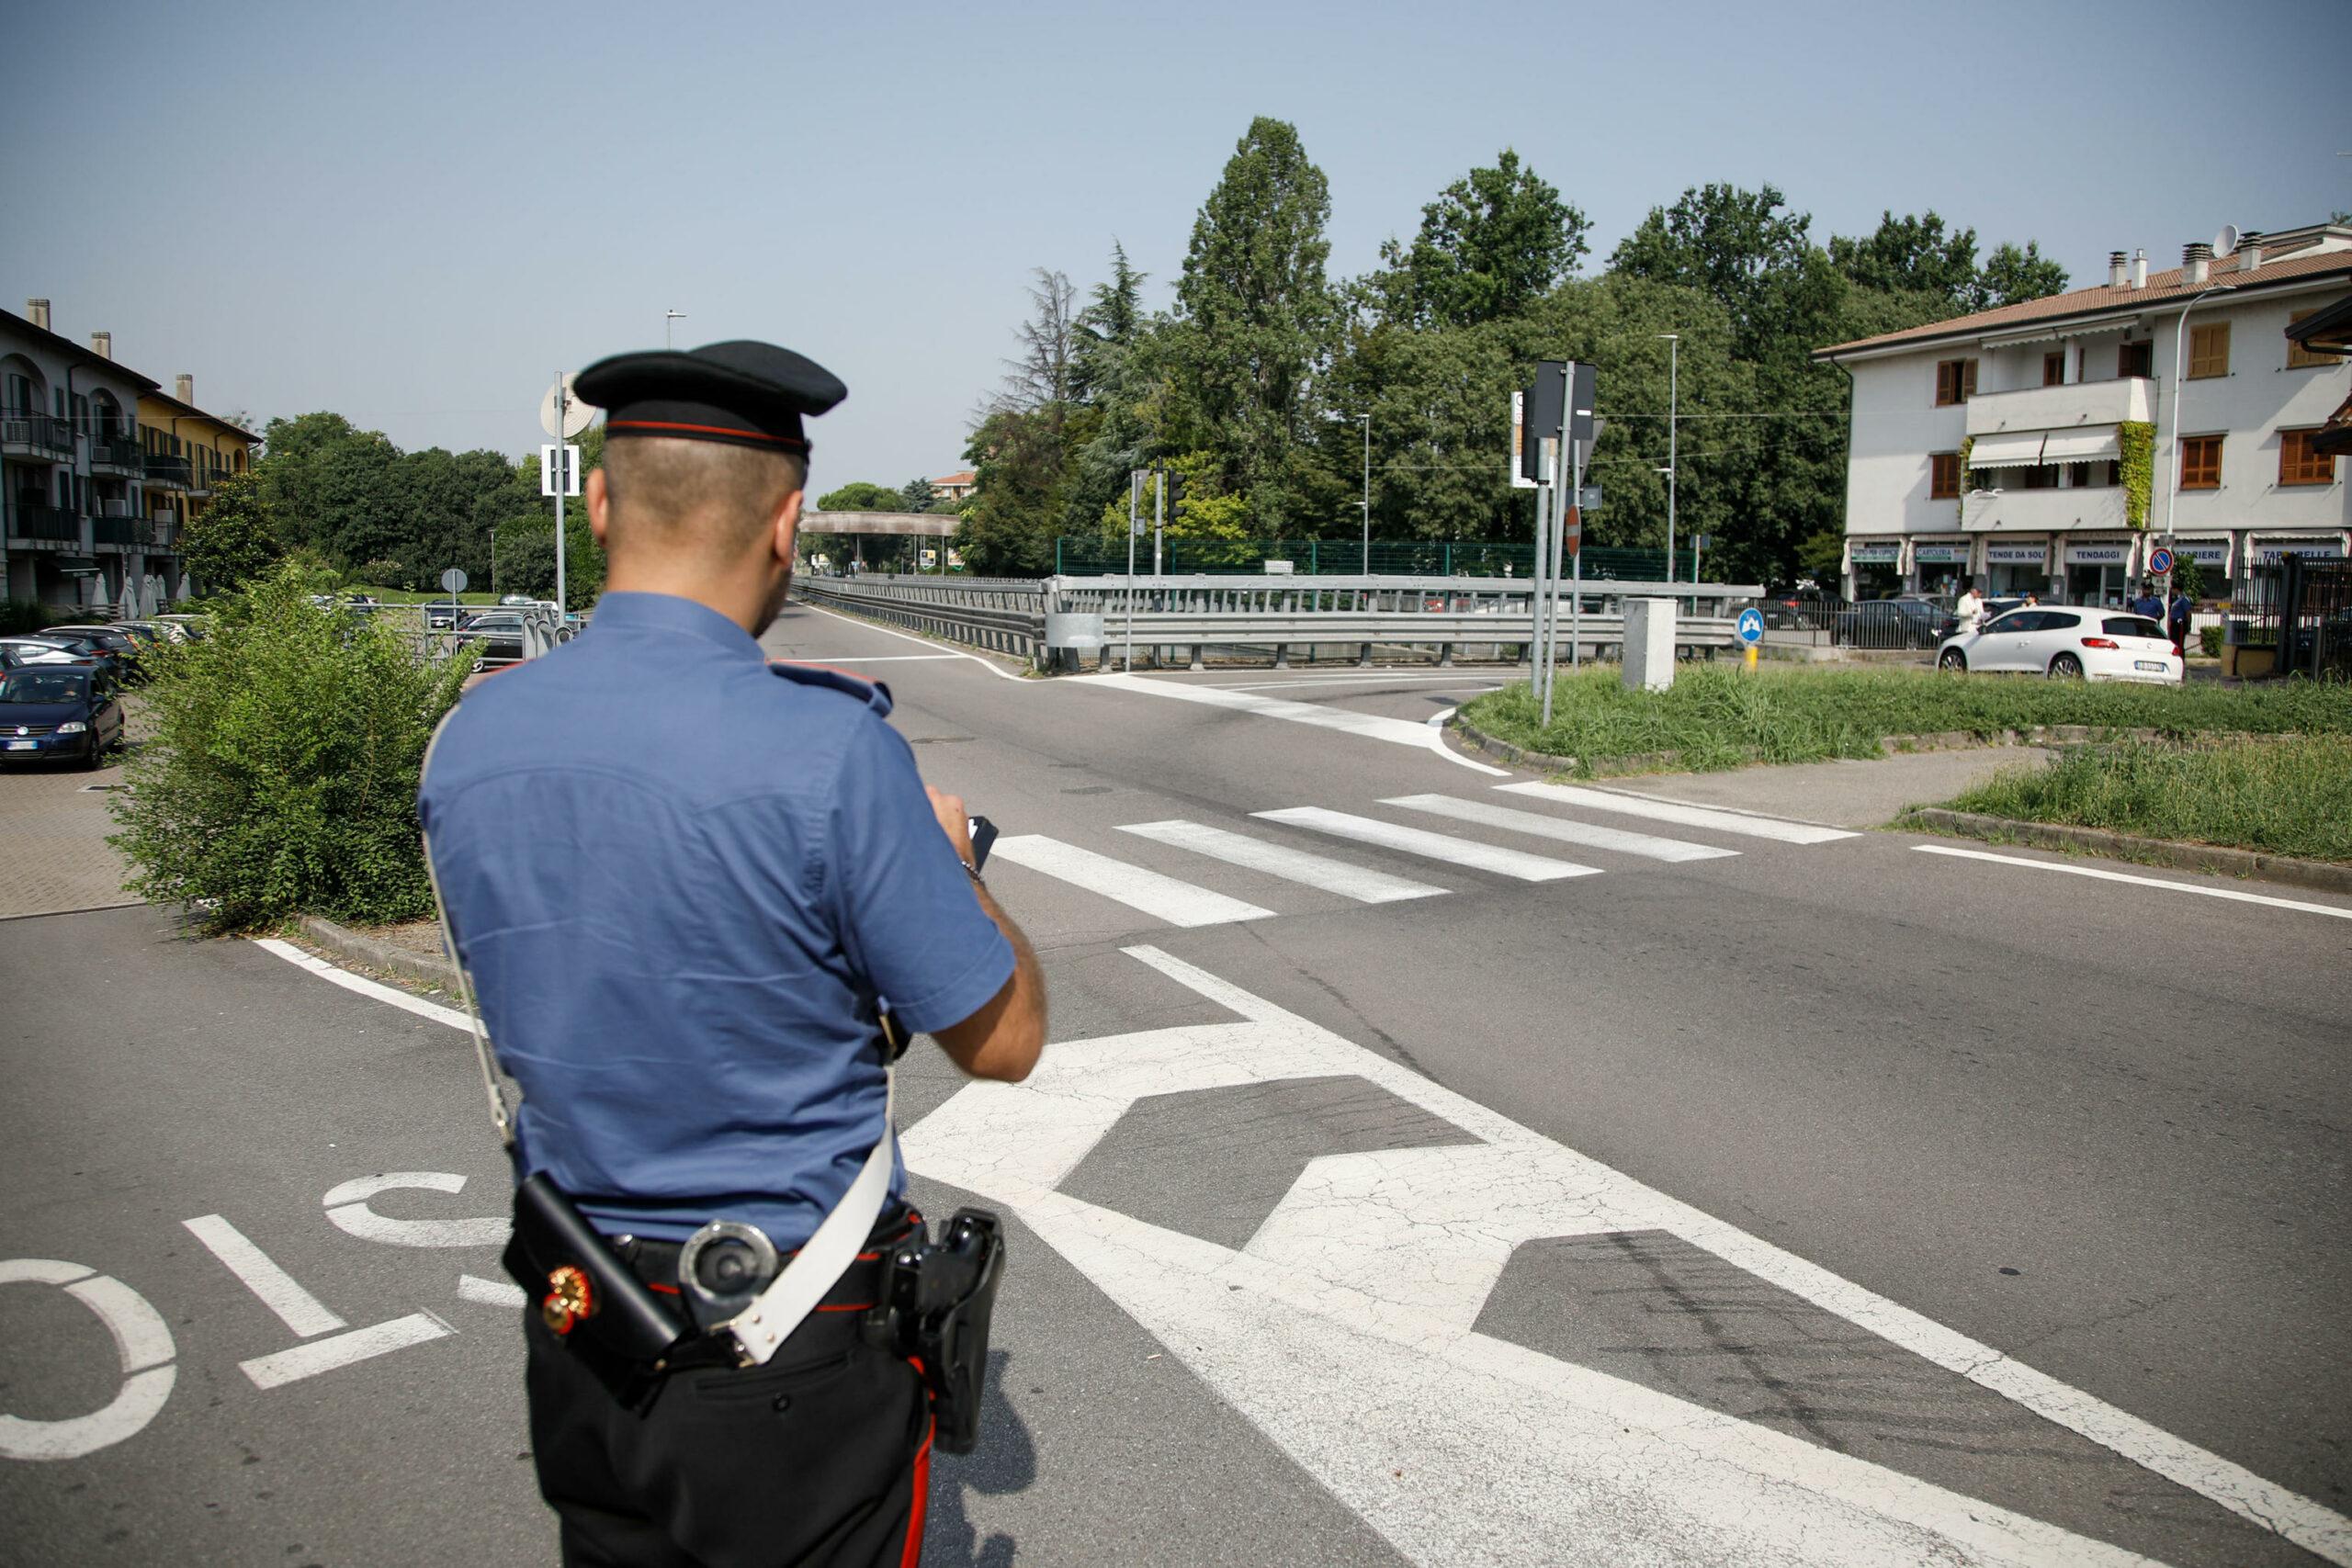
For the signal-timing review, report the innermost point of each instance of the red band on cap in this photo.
(794, 442)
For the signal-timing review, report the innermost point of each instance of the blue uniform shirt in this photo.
(680, 882)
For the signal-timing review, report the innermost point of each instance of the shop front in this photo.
(2212, 556)
(2266, 548)
(2016, 566)
(1939, 565)
(1874, 568)
(2098, 572)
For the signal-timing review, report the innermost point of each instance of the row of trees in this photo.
(1254, 386)
(349, 499)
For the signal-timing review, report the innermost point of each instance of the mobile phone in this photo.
(983, 832)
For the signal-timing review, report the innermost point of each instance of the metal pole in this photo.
(1673, 406)
(1537, 643)
(1367, 494)
(2179, 364)
(1134, 485)
(563, 474)
(1576, 558)
(1159, 514)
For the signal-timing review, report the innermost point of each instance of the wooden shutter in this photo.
(1946, 381)
(2209, 351)
(2298, 465)
(2200, 462)
(1967, 379)
(1943, 476)
(2134, 359)
(2054, 369)
(2297, 356)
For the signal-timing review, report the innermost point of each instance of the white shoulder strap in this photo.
(498, 1112)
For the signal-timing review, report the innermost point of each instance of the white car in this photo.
(2069, 641)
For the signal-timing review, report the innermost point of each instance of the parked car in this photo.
(181, 628)
(498, 632)
(2069, 642)
(115, 638)
(523, 600)
(88, 647)
(1904, 622)
(49, 712)
(440, 617)
(18, 651)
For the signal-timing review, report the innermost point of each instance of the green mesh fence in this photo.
(1389, 557)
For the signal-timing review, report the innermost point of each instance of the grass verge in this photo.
(1725, 717)
(2290, 795)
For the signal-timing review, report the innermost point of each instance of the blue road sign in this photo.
(2160, 561)
(1751, 626)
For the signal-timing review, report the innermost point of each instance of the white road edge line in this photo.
(490, 1293)
(887, 631)
(316, 1356)
(2307, 1523)
(365, 987)
(884, 659)
(1437, 743)
(279, 1291)
(2230, 893)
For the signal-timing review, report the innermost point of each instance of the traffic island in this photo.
(396, 953)
(2212, 858)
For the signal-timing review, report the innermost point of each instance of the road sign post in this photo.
(1750, 631)
(563, 416)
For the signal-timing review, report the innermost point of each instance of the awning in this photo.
(2019, 450)
(2097, 445)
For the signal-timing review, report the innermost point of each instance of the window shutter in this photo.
(2297, 356)
(1967, 379)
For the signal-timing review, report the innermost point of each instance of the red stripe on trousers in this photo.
(912, 1555)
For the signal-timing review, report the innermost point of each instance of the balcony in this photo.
(33, 521)
(170, 472)
(116, 455)
(2091, 509)
(2062, 407)
(36, 436)
(130, 533)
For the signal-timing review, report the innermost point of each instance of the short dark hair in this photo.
(710, 495)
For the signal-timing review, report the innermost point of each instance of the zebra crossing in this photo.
(1275, 849)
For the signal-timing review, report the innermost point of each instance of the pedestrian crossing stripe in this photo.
(1714, 819)
(1434, 846)
(1591, 835)
(1163, 898)
(1364, 886)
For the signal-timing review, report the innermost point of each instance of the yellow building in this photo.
(186, 451)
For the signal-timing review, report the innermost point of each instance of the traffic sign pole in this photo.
(1749, 629)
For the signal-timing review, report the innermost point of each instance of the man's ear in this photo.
(599, 496)
(786, 528)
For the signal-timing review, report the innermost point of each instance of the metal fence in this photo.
(1869, 625)
(515, 632)
(1190, 619)
(2296, 614)
(1089, 556)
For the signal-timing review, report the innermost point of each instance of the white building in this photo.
(2000, 447)
(73, 472)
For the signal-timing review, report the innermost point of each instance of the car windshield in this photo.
(44, 686)
(2133, 626)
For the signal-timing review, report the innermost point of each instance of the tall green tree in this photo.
(2011, 276)
(1911, 254)
(862, 495)
(917, 493)
(1257, 320)
(232, 540)
(1493, 243)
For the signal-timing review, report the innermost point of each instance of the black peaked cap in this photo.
(742, 392)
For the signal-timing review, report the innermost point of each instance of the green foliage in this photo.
(1718, 716)
(527, 557)
(2011, 276)
(382, 572)
(2208, 642)
(1912, 254)
(234, 539)
(1960, 505)
(2189, 577)
(1492, 244)
(2137, 439)
(24, 616)
(917, 494)
(2290, 795)
(281, 778)
(861, 495)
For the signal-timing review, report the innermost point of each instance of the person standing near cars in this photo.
(2177, 617)
(682, 884)
(1970, 609)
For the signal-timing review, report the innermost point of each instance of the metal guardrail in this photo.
(1196, 616)
(540, 630)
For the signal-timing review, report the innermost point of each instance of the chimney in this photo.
(2114, 269)
(2250, 252)
(2196, 263)
(2138, 269)
(184, 388)
(36, 312)
(102, 344)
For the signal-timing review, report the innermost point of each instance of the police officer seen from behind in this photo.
(683, 884)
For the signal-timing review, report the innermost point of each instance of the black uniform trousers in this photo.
(821, 1457)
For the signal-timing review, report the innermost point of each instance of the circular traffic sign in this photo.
(454, 580)
(576, 414)
(2160, 561)
(1751, 626)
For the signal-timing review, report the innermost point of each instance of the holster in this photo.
(938, 1302)
(626, 1334)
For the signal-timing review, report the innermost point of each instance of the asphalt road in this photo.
(1829, 1201)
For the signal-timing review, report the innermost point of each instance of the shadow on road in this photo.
(1005, 1461)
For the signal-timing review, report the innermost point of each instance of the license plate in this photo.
(24, 745)
(2158, 665)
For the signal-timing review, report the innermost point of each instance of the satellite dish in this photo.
(576, 414)
(2226, 240)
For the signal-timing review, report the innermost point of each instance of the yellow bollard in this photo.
(1752, 658)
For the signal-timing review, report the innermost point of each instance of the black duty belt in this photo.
(862, 1287)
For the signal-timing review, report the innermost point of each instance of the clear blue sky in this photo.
(413, 213)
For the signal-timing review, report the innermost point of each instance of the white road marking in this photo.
(313, 1357)
(1371, 726)
(279, 1291)
(490, 1293)
(361, 984)
(988, 665)
(2232, 894)
(1436, 723)
(1355, 882)
(1344, 1329)
(884, 659)
(1719, 821)
(1163, 898)
(1434, 846)
(347, 1207)
(142, 1343)
(1357, 680)
(1591, 835)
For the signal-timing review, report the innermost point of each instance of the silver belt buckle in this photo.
(739, 1261)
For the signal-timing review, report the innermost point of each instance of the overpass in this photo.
(860, 526)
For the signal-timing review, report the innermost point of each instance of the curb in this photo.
(359, 948)
(1888, 745)
(2317, 875)
(1503, 750)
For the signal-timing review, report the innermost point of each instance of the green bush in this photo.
(24, 616)
(2208, 642)
(280, 773)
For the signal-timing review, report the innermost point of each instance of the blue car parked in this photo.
(47, 713)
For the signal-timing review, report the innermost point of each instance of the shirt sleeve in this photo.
(909, 924)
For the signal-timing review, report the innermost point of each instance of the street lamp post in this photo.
(1673, 397)
(1365, 420)
(2179, 363)
(668, 317)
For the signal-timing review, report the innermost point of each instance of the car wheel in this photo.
(2065, 667)
(1953, 659)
